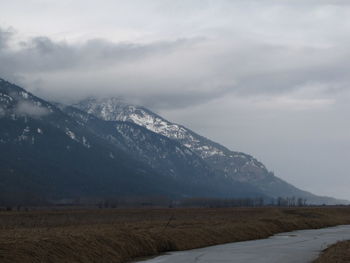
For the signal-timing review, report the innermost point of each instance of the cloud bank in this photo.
(175, 73)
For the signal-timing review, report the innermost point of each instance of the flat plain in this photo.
(122, 235)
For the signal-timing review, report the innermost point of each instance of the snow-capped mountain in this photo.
(114, 109)
(240, 166)
(169, 158)
(46, 154)
(237, 166)
(108, 148)
(158, 151)
(48, 151)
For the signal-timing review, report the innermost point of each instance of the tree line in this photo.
(153, 201)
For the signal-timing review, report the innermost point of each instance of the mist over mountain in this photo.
(101, 148)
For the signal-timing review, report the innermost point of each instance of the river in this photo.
(293, 247)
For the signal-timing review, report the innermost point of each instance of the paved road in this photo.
(292, 247)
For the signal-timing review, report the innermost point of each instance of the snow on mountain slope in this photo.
(127, 150)
(114, 109)
(17, 104)
(47, 154)
(161, 153)
(237, 166)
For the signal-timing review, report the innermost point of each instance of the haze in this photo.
(269, 78)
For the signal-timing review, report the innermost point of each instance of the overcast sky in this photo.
(269, 78)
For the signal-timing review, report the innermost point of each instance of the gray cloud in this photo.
(191, 70)
(41, 54)
(52, 68)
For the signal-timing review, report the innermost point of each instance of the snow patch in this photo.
(25, 134)
(86, 143)
(24, 94)
(71, 135)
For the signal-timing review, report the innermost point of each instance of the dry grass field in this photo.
(121, 235)
(338, 253)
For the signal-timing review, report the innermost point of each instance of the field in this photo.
(121, 235)
(338, 253)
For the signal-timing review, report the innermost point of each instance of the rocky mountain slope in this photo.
(167, 157)
(236, 166)
(102, 148)
(49, 152)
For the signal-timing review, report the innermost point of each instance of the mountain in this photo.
(235, 166)
(49, 152)
(167, 157)
(106, 148)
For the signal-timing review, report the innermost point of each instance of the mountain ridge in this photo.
(235, 165)
(51, 150)
(46, 153)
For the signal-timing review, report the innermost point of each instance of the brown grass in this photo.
(338, 253)
(118, 235)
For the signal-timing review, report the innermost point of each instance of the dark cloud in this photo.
(41, 54)
(170, 74)
(131, 70)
